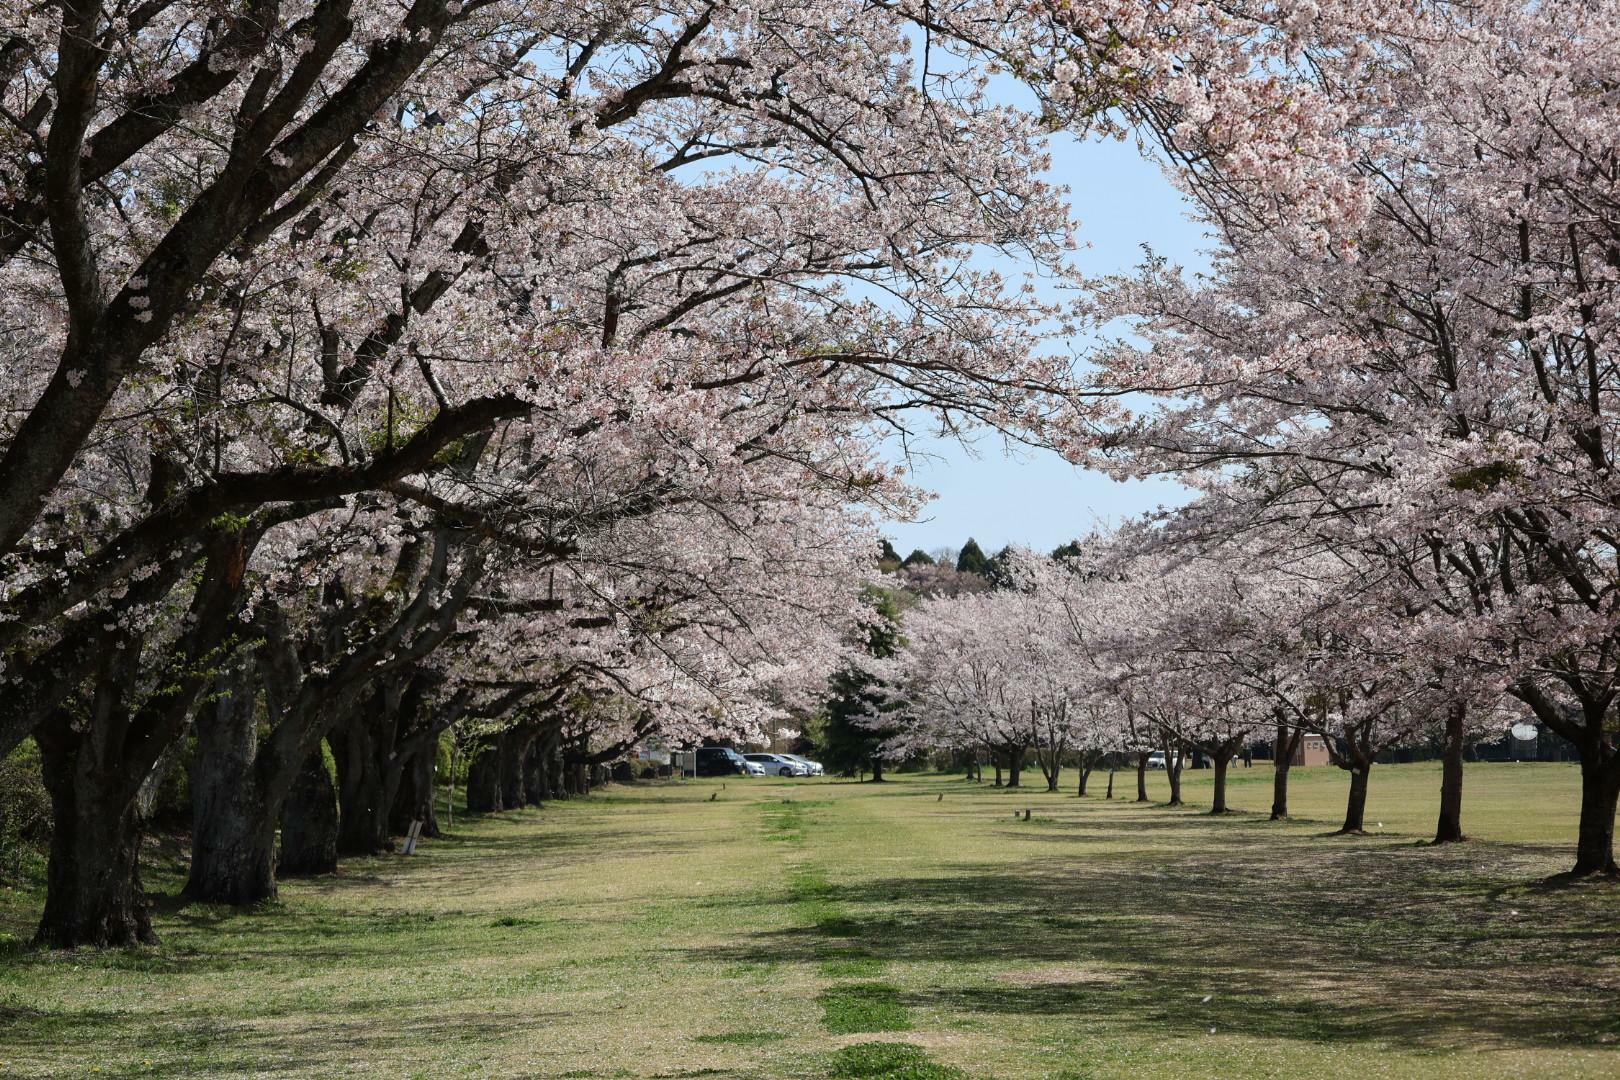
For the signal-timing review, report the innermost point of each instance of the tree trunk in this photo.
(309, 821)
(93, 892)
(995, 759)
(1223, 758)
(1172, 772)
(484, 782)
(413, 800)
(534, 772)
(1449, 828)
(1085, 777)
(1282, 755)
(233, 831)
(877, 769)
(1015, 767)
(363, 802)
(1355, 811)
(515, 743)
(1600, 791)
(1110, 794)
(1141, 777)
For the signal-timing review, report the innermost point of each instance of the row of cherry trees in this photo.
(374, 370)
(1125, 650)
(1393, 390)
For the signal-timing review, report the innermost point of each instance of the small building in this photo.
(1311, 750)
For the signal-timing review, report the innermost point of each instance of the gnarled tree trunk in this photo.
(484, 781)
(362, 793)
(93, 892)
(233, 834)
(1141, 777)
(309, 821)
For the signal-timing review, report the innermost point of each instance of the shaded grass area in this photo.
(813, 929)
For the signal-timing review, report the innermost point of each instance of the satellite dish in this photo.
(1523, 731)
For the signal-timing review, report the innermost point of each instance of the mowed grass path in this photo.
(784, 927)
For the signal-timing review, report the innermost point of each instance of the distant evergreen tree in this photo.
(999, 569)
(919, 557)
(888, 554)
(849, 747)
(1067, 551)
(972, 559)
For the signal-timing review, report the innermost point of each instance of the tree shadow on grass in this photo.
(1292, 937)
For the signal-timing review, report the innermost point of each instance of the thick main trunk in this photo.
(1110, 794)
(413, 797)
(877, 769)
(309, 821)
(1015, 767)
(1218, 803)
(535, 788)
(362, 790)
(233, 839)
(515, 743)
(1600, 792)
(1085, 778)
(1282, 755)
(233, 831)
(1355, 811)
(1448, 829)
(484, 782)
(1141, 778)
(93, 893)
(1172, 772)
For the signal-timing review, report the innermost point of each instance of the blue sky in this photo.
(1034, 497)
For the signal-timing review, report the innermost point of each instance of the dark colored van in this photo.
(720, 761)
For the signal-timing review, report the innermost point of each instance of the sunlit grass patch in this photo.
(741, 1038)
(860, 1007)
(889, 1061)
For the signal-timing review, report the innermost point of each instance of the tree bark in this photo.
(1282, 755)
(484, 782)
(1218, 802)
(309, 821)
(1448, 830)
(233, 832)
(534, 772)
(1141, 777)
(1600, 792)
(514, 743)
(93, 893)
(1355, 811)
(1110, 794)
(1015, 767)
(362, 796)
(413, 798)
(1172, 772)
(1085, 778)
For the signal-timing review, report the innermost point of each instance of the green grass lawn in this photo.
(828, 929)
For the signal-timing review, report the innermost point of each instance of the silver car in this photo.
(777, 764)
(813, 767)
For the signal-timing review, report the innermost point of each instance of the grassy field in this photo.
(914, 929)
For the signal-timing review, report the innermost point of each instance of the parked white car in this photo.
(777, 765)
(1156, 760)
(814, 766)
(754, 767)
